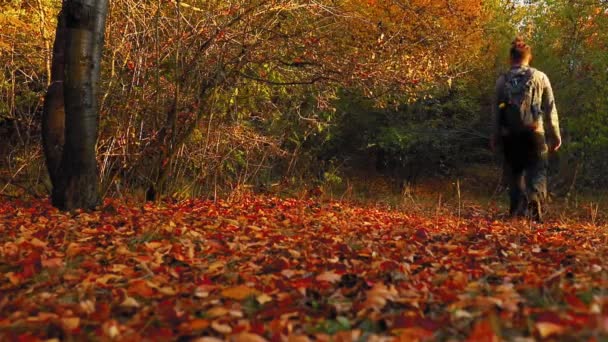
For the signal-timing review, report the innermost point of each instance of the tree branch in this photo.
(290, 83)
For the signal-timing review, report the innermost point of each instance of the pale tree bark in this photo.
(76, 181)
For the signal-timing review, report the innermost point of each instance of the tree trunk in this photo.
(76, 183)
(53, 114)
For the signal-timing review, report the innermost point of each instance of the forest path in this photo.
(266, 267)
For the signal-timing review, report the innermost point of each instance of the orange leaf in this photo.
(73, 249)
(52, 263)
(217, 311)
(239, 292)
(140, 288)
(483, 331)
(199, 324)
(14, 278)
(378, 296)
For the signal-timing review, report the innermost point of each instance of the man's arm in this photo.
(550, 114)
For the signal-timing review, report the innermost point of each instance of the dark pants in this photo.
(526, 170)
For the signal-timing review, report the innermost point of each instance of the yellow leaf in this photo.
(153, 245)
(263, 298)
(166, 290)
(130, 302)
(216, 266)
(217, 311)
(239, 292)
(105, 278)
(70, 323)
(221, 328)
(546, 329)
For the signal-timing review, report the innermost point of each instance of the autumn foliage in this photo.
(229, 100)
(179, 77)
(266, 268)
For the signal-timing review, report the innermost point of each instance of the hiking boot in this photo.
(519, 208)
(535, 211)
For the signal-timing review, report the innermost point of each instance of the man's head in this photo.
(521, 53)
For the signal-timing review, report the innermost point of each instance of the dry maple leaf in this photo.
(329, 276)
(378, 296)
(263, 298)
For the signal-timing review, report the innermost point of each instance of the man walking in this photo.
(523, 106)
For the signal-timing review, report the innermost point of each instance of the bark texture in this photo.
(76, 181)
(53, 114)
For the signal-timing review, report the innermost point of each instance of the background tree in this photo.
(76, 64)
(571, 44)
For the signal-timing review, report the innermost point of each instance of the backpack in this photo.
(519, 112)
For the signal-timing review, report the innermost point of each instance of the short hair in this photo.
(520, 50)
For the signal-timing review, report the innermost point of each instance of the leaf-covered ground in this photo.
(283, 269)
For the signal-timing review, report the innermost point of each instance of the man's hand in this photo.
(556, 144)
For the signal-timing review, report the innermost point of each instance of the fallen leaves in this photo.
(239, 292)
(546, 329)
(198, 324)
(267, 268)
(130, 302)
(70, 323)
(379, 295)
(329, 276)
(140, 288)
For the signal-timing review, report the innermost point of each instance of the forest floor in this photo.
(265, 268)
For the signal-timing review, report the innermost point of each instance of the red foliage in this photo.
(265, 268)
